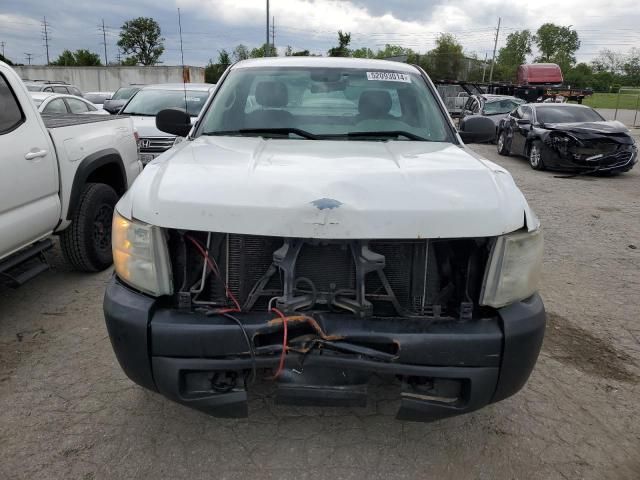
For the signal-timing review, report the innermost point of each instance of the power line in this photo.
(45, 24)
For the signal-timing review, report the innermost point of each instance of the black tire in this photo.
(501, 143)
(535, 155)
(86, 243)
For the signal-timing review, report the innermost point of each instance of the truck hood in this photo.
(327, 189)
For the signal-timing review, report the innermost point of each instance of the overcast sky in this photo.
(211, 25)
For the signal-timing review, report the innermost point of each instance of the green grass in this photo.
(610, 100)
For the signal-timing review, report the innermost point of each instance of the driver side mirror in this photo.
(477, 129)
(174, 121)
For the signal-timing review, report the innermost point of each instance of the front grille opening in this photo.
(384, 278)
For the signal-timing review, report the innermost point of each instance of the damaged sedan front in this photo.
(324, 224)
(567, 137)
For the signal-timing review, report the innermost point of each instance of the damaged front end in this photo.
(589, 150)
(321, 318)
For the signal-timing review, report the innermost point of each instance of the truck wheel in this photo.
(86, 243)
(535, 156)
(502, 144)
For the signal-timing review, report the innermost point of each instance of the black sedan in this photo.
(561, 136)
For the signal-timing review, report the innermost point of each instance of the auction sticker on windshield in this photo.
(389, 76)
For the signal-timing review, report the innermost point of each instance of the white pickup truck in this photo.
(60, 175)
(321, 224)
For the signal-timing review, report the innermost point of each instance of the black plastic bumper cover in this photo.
(176, 353)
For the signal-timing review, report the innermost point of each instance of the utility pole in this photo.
(273, 34)
(104, 42)
(118, 58)
(29, 57)
(46, 36)
(495, 45)
(484, 66)
(266, 44)
(2, 44)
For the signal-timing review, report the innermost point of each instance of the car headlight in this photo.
(140, 256)
(514, 268)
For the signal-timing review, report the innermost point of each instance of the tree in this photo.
(79, 58)
(142, 38)
(580, 76)
(5, 60)
(129, 62)
(241, 52)
(342, 50)
(557, 44)
(631, 67)
(392, 51)
(223, 57)
(445, 61)
(363, 52)
(513, 54)
(213, 71)
(608, 61)
(259, 52)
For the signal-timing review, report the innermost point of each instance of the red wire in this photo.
(216, 270)
(284, 341)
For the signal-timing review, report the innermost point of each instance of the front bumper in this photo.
(445, 368)
(620, 161)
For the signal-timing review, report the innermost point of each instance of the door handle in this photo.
(36, 154)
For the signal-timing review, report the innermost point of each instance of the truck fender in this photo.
(90, 165)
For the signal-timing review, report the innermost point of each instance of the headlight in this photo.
(514, 269)
(140, 256)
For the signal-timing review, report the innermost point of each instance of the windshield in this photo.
(495, 107)
(567, 114)
(97, 97)
(325, 103)
(150, 102)
(124, 93)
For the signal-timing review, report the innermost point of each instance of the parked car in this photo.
(147, 102)
(119, 98)
(322, 245)
(52, 87)
(563, 136)
(59, 104)
(60, 175)
(98, 98)
(495, 107)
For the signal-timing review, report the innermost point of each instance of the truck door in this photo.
(29, 202)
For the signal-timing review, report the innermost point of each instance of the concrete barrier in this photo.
(91, 79)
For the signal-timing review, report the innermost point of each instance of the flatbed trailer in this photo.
(531, 93)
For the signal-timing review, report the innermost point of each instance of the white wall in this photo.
(91, 79)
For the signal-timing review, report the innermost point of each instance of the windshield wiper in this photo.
(266, 131)
(138, 114)
(386, 134)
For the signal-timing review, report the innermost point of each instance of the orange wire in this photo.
(284, 341)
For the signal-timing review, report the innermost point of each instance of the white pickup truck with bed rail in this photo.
(60, 175)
